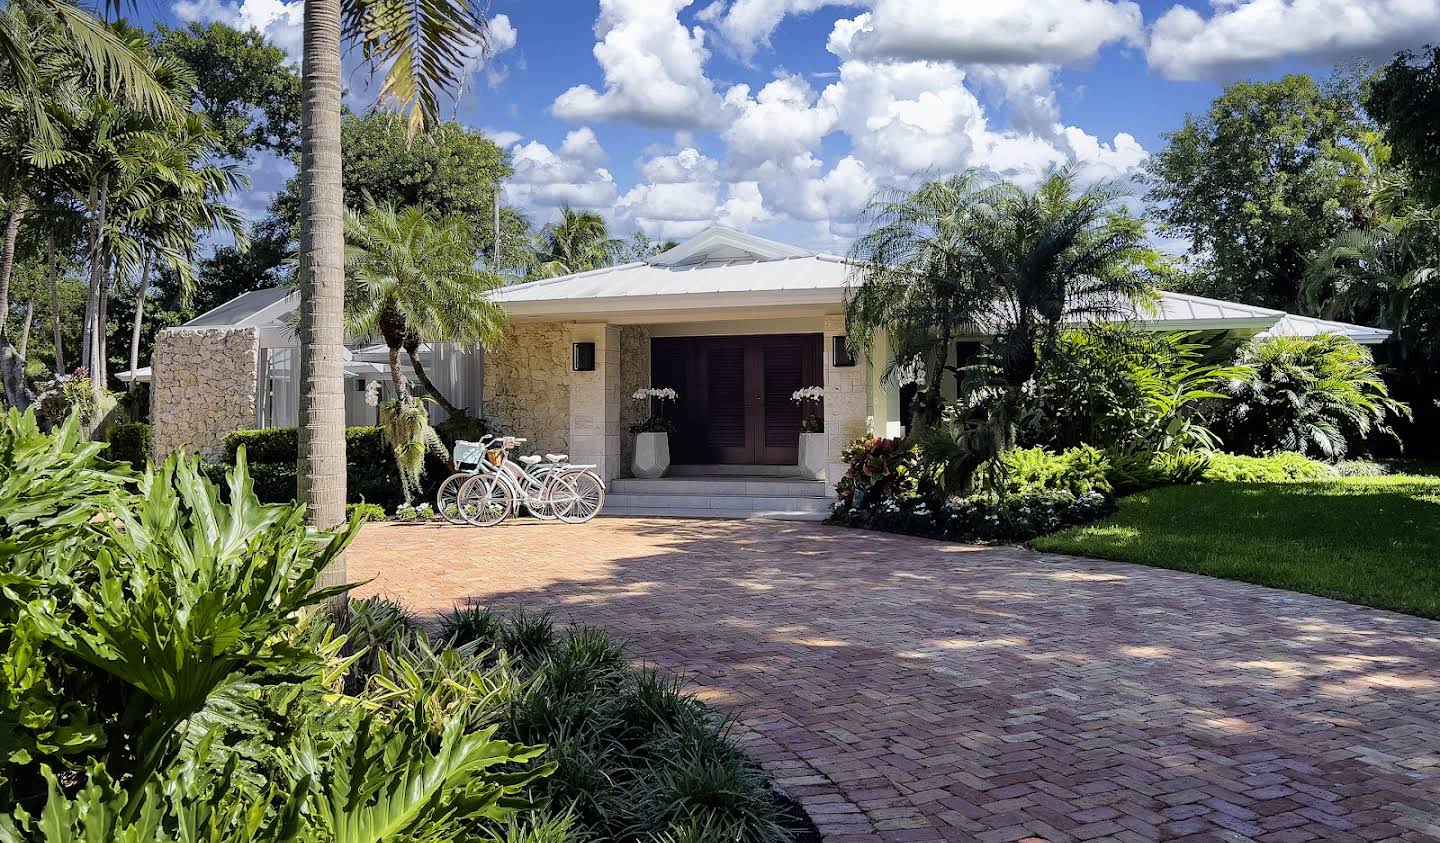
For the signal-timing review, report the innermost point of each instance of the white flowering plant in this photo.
(659, 399)
(810, 398)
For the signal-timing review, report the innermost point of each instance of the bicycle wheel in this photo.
(485, 501)
(447, 500)
(539, 505)
(578, 497)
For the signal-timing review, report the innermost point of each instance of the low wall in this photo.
(202, 387)
(527, 385)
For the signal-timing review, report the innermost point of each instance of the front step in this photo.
(721, 497)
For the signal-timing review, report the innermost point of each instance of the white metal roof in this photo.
(720, 271)
(1291, 325)
(257, 308)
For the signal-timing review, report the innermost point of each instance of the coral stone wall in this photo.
(527, 385)
(846, 402)
(634, 374)
(203, 387)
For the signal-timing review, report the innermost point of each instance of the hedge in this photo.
(370, 473)
(129, 442)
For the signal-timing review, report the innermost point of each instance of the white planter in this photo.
(812, 456)
(652, 455)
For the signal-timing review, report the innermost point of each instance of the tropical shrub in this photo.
(1114, 387)
(1078, 471)
(1360, 468)
(1139, 470)
(163, 682)
(1012, 517)
(879, 470)
(365, 511)
(1320, 396)
(1277, 468)
(66, 394)
(635, 757)
(130, 442)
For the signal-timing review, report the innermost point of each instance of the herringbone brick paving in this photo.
(910, 690)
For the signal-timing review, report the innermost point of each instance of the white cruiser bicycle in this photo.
(489, 487)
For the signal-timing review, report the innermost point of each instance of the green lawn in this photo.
(1368, 540)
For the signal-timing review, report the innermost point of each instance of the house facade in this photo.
(734, 323)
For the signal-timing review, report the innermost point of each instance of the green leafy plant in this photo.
(1276, 468)
(878, 470)
(406, 424)
(1321, 396)
(130, 442)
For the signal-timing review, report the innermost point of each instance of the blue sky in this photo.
(782, 116)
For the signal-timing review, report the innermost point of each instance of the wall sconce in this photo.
(841, 356)
(583, 357)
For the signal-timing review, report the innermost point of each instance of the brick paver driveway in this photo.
(904, 689)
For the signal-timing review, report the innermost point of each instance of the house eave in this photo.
(744, 304)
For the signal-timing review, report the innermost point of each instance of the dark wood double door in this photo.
(735, 406)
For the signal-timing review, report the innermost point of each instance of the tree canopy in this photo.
(1253, 187)
(1404, 97)
(242, 83)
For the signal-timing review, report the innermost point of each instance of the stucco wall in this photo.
(527, 385)
(203, 387)
(634, 374)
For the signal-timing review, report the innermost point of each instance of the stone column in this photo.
(203, 386)
(846, 404)
(595, 402)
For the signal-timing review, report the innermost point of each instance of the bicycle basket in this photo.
(495, 457)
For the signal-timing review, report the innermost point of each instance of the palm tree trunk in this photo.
(97, 273)
(412, 350)
(139, 317)
(7, 254)
(25, 326)
(321, 468)
(52, 269)
(395, 378)
(102, 337)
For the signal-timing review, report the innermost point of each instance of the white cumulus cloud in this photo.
(282, 23)
(1241, 35)
(988, 31)
(545, 180)
(654, 69)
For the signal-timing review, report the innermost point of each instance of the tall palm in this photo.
(1047, 258)
(913, 278)
(63, 54)
(114, 142)
(578, 241)
(426, 45)
(414, 278)
(160, 210)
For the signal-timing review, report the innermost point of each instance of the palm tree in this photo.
(426, 45)
(414, 278)
(961, 255)
(163, 207)
(578, 241)
(913, 278)
(1388, 260)
(1049, 258)
(1315, 395)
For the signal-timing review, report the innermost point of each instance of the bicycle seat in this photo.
(557, 457)
(529, 460)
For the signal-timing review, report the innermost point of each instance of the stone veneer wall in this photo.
(634, 374)
(846, 401)
(203, 386)
(527, 385)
